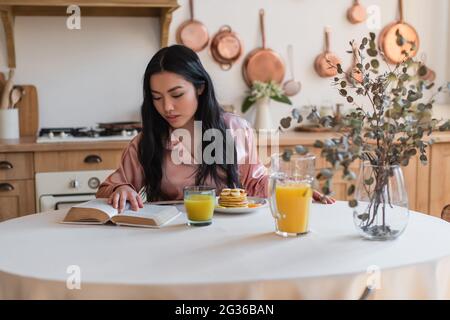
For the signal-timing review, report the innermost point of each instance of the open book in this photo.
(98, 211)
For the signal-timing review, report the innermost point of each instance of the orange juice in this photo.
(200, 207)
(293, 202)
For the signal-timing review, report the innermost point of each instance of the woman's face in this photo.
(175, 98)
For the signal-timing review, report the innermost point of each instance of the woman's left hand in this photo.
(318, 197)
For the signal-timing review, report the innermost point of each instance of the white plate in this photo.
(243, 210)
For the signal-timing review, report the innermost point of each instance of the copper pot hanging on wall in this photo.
(192, 33)
(394, 46)
(356, 13)
(326, 63)
(263, 64)
(226, 47)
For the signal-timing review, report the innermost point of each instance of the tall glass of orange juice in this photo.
(199, 202)
(290, 193)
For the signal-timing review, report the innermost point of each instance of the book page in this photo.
(99, 204)
(150, 216)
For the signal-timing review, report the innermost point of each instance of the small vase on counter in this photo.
(9, 123)
(263, 120)
(9, 116)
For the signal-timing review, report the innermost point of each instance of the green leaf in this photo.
(287, 154)
(363, 217)
(318, 144)
(248, 102)
(422, 71)
(369, 181)
(372, 52)
(326, 173)
(301, 150)
(353, 203)
(285, 122)
(282, 99)
(375, 63)
(351, 190)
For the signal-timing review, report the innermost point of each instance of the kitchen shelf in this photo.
(9, 9)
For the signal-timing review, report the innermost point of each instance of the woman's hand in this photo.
(317, 196)
(121, 195)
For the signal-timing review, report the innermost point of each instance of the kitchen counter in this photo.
(28, 144)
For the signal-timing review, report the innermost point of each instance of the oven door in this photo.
(48, 202)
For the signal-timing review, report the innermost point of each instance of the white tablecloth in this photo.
(237, 257)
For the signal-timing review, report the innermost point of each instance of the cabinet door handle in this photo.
(6, 187)
(93, 158)
(5, 165)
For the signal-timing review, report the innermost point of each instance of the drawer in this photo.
(55, 161)
(16, 198)
(16, 166)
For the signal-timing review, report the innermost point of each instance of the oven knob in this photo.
(93, 183)
(135, 132)
(75, 184)
(124, 133)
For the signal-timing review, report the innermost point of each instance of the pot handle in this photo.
(225, 28)
(93, 158)
(6, 187)
(261, 22)
(191, 9)
(226, 66)
(327, 39)
(400, 6)
(5, 165)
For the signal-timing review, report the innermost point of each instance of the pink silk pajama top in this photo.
(252, 173)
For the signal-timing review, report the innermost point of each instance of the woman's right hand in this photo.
(121, 195)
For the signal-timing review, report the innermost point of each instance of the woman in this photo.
(178, 93)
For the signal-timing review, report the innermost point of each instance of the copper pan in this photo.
(192, 33)
(263, 64)
(356, 13)
(393, 51)
(326, 62)
(226, 47)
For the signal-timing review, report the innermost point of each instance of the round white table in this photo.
(237, 257)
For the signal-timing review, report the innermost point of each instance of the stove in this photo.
(103, 132)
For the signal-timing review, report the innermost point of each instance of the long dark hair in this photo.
(155, 131)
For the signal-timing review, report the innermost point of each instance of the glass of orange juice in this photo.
(199, 202)
(290, 193)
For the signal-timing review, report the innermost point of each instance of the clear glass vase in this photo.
(382, 211)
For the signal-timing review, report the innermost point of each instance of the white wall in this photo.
(95, 74)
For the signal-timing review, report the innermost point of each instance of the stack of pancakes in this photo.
(233, 198)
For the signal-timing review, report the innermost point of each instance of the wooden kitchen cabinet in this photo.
(439, 180)
(57, 161)
(16, 166)
(16, 185)
(16, 198)
(410, 177)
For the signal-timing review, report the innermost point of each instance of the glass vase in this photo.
(382, 210)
